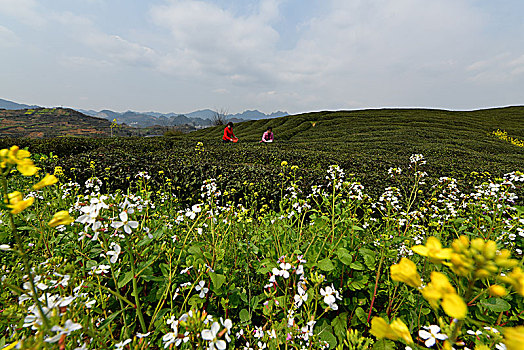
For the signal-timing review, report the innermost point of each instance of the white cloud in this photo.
(207, 39)
(7, 37)
(501, 68)
(25, 11)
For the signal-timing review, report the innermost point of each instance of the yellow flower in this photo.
(58, 171)
(397, 330)
(516, 279)
(439, 289)
(401, 330)
(16, 202)
(381, 329)
(482, 347)
(284, 163)
(48, 180)
(406, 271)
(433, 250)
(454, 306)
(20, 158)
(497, 291)
(514, 338)
(61, 218)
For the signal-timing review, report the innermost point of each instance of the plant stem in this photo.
(25, 260)
(135, 286)
(376, 285)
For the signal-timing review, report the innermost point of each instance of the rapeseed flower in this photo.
(497, 291)
(61, 218)
(397, 330)
(20, 158)
(406, 271)
(440, 291)
(16, 202)
(514, 338)
(433, 250)
(516, 279)
(48, 180)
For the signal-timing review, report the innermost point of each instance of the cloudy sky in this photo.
(291, 55)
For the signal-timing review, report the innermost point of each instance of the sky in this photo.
(288, 55)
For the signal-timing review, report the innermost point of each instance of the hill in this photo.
(363, 141)
(397, 125)
(4, 104)
(57, 122)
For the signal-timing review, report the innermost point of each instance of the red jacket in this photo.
(228, 134)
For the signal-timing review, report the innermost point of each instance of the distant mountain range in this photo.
(200, 119)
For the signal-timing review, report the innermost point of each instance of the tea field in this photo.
(378, 229)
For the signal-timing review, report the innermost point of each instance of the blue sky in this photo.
(292, 55)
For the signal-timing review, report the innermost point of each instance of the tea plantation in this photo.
(365, 143)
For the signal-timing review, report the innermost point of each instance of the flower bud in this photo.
(482, 273)
(497, 291)
(478, 244)
(461, 244)
(503, 260)
(490, 250)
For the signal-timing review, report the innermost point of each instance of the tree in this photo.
(219, 116)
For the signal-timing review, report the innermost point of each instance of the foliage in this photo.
(139, 268)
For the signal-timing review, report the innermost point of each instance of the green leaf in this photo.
(328, 336)
(384, 344)
(217, 279)
(164, 268)
(369, 257)
(344, 256)
(357, 266)
(245, 317)
(361, 315)
(196, 251)
(339, 325)
(326, 265)
(325, 332)
(496, 304)
(125, 279)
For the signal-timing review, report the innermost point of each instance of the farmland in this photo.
(375, 229)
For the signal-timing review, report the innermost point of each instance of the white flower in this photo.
(128, 225)
(142, 335)
(122, 344)
(100, 269)
(259, 333)
(479, 332)
(432, 335)
(330, 295)
(299, 299)
(5, 247)
(500, 346)
(114, 253)
(169, 338)
(203, 290)
(227, 325)
(211, 336)
(69, 327)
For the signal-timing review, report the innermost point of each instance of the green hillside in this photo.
(464, 138)
(379, 124)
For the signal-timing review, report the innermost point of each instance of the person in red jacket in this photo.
(229, 136)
